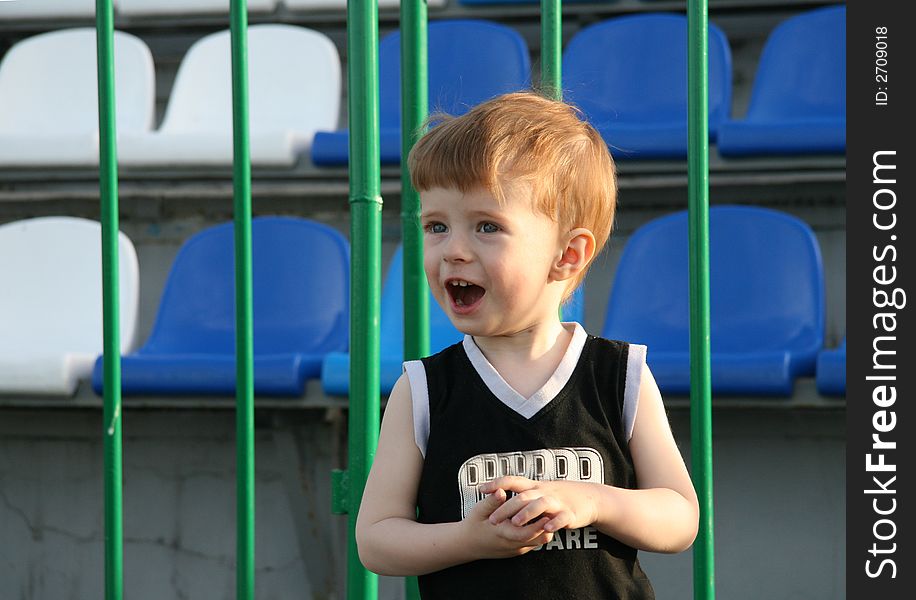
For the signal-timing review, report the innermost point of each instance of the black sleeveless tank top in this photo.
(579, 434)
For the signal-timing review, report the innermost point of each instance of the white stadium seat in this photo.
(51, 305)
(187, 7)
(49, 97)
(294, 91)
(46, 9)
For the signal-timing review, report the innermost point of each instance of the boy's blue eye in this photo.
(436, 228)
(489, 227)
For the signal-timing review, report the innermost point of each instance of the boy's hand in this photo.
(566, 504)
(502, 539)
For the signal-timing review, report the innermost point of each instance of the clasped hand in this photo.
(513, 526)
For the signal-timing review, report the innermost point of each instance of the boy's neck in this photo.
(526, 360)
(529, 344)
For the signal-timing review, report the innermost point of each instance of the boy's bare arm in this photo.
(661, 516)
(389, 539)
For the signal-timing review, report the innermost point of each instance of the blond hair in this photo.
(524, 137)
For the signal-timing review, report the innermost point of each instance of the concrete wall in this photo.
(179, 505)
(779, 477)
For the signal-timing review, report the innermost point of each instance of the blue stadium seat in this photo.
(831, 371)
(335, 372)
(797, 106)
(461, 75)
(301, 293)
(766, 300)
(629, 77)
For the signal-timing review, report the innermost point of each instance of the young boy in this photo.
(540, 457)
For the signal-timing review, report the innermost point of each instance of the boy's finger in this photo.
(538, 542)
(561, 520)
(511, 483)
(535, 532)
(544, 538)
(491, 502)
(505, 511)
(541, 506)
(511, 508)
(521, 535)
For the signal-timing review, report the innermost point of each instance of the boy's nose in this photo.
(456, 249)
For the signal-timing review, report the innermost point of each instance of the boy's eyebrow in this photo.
(478, 213)
(490, 214)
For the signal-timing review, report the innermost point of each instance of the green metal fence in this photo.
(244, 311)
(414, 99)
(365, 235)
(111, 414)
(698, 216)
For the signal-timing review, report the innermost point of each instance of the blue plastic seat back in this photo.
(470, 61)
(766, 284)
(831, 371)
(300, 291)
(634, 69)
(802, 70)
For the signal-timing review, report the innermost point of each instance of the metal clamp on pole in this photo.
(340, 492)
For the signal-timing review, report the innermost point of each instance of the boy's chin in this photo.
(472, 329)
(484, 330)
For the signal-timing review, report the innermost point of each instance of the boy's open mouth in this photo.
(464, 294)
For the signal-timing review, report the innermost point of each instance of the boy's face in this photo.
(489, 265)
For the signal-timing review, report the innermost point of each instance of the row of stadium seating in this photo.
(636, 99)
(767, 308)
(57, 9)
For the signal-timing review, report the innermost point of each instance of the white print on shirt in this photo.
(572, 539)
(549, 464)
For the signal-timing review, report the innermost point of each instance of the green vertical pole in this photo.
(108, 187)
(700, 389)
(414, 109)
(552, 48)
(414, 99)
(365, 270)
(552, 54)
(244, 319)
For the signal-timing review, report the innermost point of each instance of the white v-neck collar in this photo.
(528, 407)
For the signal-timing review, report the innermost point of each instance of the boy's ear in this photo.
(575, 255)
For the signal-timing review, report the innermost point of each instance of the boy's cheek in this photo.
(430, 266)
